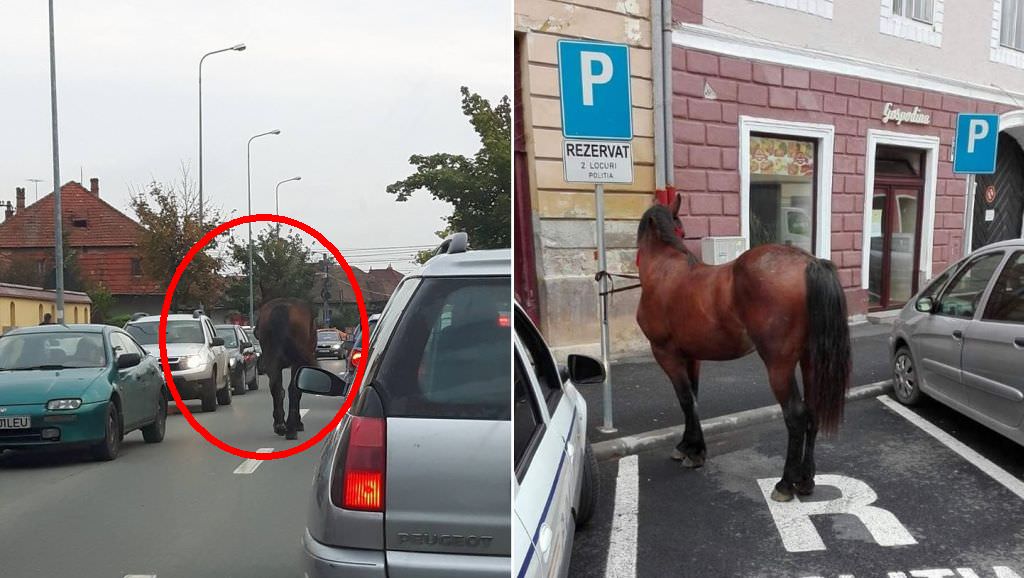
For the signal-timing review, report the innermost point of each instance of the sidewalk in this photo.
(643, 398)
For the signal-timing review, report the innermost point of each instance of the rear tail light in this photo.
(359, 483)
(356, 356)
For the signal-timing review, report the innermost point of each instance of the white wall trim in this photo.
(930, 144)
(999, 53)
(825, 135)
(821, 8)
(748, 48)
(910, 29)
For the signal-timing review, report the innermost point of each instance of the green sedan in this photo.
(78, 385)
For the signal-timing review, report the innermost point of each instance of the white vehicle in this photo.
(555, 471)
(197, 357)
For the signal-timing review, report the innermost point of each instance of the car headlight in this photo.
(63, 404)
(232, 362)
(336, 346)
(190, 361)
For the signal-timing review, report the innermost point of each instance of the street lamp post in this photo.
(238, 48)
(58, 229)
(277, 193)
(248, 186)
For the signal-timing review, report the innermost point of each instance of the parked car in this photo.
(557, 480)
(250, 335)
(329, 342)
(355, 355)
(196, 355)
(241, 358)
(415, 479)
(78, 385)
(961, 340)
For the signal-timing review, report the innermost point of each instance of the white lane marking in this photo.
(622, 548)
(140, 576)
(979, 461)
(793, 518)
(303, 412)
(249, 466)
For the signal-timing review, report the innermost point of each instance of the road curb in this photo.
(632, 444)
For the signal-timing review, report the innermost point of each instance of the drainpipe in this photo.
(666, 63)
(657, 81)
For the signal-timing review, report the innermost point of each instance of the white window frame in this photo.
(824, 135)
(909, 29)
(822, 8)
(999, 53)
(930, 146)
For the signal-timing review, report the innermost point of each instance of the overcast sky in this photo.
(355, 88)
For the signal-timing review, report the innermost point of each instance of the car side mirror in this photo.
(126, 360)
(320, 382)
(248, 348)
(924, 305)
(216, 341)
(585, 370)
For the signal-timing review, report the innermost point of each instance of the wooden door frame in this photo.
(889, 183)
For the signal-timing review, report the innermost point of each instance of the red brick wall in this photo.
(111, 266)
(706, 141)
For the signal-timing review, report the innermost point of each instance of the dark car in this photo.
(329, 343)
(355, 355)
(241, 358)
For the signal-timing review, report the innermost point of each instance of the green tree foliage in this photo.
(282, 267)
(102, 302)
(478, 188)
(169, 213)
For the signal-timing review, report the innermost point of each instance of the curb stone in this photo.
(636, 443)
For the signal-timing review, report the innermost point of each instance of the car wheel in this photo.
(108, 449)
(210, 394)
(240, 386)
(254, 384)
(589, 490)
(154, 432)
(905, 382)
(224, 395)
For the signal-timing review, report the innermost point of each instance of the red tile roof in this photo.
(105, 226)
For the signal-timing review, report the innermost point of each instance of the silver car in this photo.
(961, 340)
(415, 480)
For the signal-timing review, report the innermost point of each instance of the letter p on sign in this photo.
(590, 77)
(977, 138)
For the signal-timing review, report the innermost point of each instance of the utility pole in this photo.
(58, 229)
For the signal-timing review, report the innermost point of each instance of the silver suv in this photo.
(415, 479)
(197, 357)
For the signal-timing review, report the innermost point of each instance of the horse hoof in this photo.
(804, 488)
(301, 427)
(678, 455)
(279, 429)
(693, 462)
(781, 496)
(291, 436)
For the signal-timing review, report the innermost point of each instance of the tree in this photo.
(169, 213)
(478, 188)
(21, 270)
(102, 302)
(282, 267)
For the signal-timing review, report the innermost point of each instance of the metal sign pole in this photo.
(602, 265)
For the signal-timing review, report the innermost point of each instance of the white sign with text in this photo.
(597, 161)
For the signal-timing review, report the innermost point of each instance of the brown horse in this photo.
(287, 334)
(774, 299)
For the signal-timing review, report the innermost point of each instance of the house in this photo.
(24, 306)
(376, 285)
(105, 243)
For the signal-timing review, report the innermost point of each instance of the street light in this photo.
(237, 48)
(248, 186)
(58, 229)
(277, 198)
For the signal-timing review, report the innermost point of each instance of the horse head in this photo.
(660, 226)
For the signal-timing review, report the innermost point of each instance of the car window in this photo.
(325, 337)
(210, 331)
(963, 295)
(229, 335)
(933, 288)
(52, 350)
(450, 355)
(528, 424)
(1006, 302)
(178, 331)
(539, 361)
(130, 344)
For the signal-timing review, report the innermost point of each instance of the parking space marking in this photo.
(981, 462)
(140, 576)
(303, 412)
(793, 518)
(622, 547)
(249, 466)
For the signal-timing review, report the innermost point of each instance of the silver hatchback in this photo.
(415, 480)
(961, 340)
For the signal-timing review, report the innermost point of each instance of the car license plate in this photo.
(15, 422)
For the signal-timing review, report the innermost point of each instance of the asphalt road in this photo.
(643, 398)
(953, 516)
(174, 509)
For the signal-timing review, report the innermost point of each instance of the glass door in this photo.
(895, 243)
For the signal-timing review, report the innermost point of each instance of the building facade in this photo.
(24, 306)
(825, 125)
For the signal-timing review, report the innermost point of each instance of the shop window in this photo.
(782, 191)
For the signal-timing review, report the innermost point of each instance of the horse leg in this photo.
(294, 421)
(783, 382)
(805, 485)
(277, 393)
(691, 449)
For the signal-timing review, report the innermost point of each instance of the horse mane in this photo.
(665, 228)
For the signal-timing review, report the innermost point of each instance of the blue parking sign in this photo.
(594, 82)
(976, 138)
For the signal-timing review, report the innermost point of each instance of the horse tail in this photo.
(279, 325)
(828, 345)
